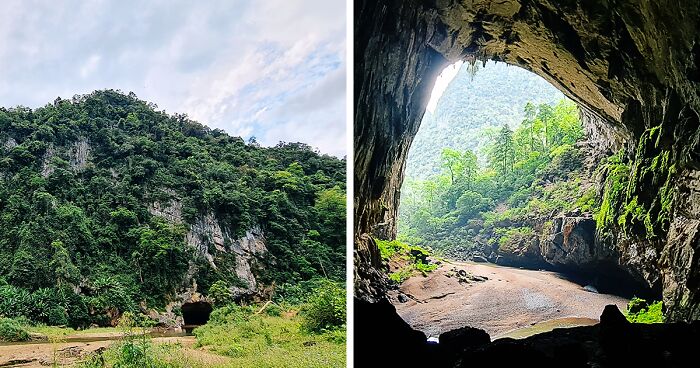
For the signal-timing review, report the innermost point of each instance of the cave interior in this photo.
(632, 66)
(196, 313)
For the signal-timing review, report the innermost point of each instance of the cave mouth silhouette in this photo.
(195, 314)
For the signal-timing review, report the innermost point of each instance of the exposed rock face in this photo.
(571, 240)
(564, 241)
(9, 143)
(680, 259)
(631, 65)
(171, 211)
(211, 240)
(79, 154)
(207, 237)
(169, 319)
(46, 167)
(247, 249)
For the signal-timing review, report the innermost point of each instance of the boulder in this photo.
(479, 258)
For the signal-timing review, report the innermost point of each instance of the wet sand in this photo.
(512, 302)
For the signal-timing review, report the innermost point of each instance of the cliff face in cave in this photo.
(634, 68)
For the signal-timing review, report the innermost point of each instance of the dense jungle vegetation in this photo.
(531, 170)
(79, 241)
(492, 165)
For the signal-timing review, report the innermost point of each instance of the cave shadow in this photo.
(610, 279)
(195, 314)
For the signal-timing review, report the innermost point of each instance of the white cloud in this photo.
(90, 66)
(269, 69)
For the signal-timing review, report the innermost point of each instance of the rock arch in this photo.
(631, 66)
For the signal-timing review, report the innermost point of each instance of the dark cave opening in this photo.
(195, 314)
(609, 278)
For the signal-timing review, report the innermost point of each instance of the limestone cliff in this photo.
(218, 246)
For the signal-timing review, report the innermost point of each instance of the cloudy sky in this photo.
(273, 69)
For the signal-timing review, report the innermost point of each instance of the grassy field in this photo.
(234, 337)
(272, 341)
(305, 327)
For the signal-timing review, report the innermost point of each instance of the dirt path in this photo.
(511, 299)
(69, 353)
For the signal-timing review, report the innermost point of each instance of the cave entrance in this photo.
(500, 183)
(632, 70)
(195, 314)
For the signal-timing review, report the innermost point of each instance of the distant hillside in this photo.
(494, 96)
(107, 205)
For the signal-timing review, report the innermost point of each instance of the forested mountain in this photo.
(474, 105)
(107, 204)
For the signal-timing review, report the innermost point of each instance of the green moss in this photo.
(586, 202)
(508, 238)
(425, 268)
(416, 258)
(401, 275)
(627, 194)
(616, 173)
(641, 311)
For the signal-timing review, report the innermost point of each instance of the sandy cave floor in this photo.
(512, 302)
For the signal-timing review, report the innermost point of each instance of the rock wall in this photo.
(633, 66)
(211, 241)
(564, 241)
(79, 154)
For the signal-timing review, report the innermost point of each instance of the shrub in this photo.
(108, 293)
(425, 268)
(77, 310)
(135, 349)
(401, 275)
(297, 293)
(14, 301)
(56, 316)
(12, 331)
(415, 255)
(273, 310)
(259, 340)
(220, 292)
(229, 314)
(42, 301)
(326, 308)
(642, 311)
(138, 352)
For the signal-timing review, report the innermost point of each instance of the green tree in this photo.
(66, 273)
(503, 151)
(220, 293)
